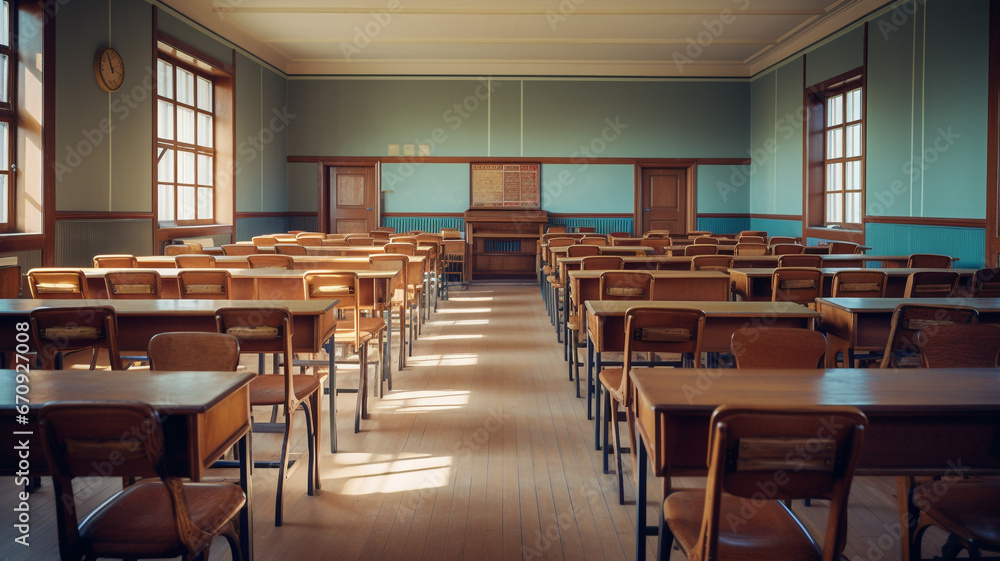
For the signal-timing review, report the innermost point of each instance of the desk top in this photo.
(658, 274)
(829, 271)
(243, 273)
(602, 308)
(224, 261)
(608, 249)
(887, 305)
(167, 306)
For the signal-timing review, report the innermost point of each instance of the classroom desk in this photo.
(313, 324)
(755, 284)
(853, 324)
(555, 252)
(606, 330)
(204, 414)
(918, 424)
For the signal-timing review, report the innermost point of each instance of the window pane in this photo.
(3, 201)
(835, 143)
(205, 130)
(165, 202)
(852, 208)
(835, 110)
(852, 175)
(205, 203)
(854, 105)
(165, 120)
(4, 79)
(185, 203)
(185, 167)
(185, 125)
(185, 86)
(854, 141)
(833, 208)
(165, 79)
(204, 94)
(834, 177)
(165, 167)
(204, 170)
(5, 25)
(4, 146)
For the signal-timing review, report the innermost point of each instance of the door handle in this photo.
(369, 208)
(645, 209)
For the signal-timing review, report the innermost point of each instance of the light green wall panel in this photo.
(788, 139)
(952, 153)
(275, 117)
(193, 35)
(505, 118)
(249, 197)
(666, 119)
(302, 183)
(723, 189)
(588, 188)
(426, 187)
(763, 143)
(362, 117)
(840, 55)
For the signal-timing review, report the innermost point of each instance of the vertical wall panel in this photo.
(78, 241)
(968, 244)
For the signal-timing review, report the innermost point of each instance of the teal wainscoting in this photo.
(78, 241)
(968, 244)
(600, 225)
(247, 228)
(777, 227)
(723, 225)
(422, 223)
(304, 223)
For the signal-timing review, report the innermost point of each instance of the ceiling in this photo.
(635, 38)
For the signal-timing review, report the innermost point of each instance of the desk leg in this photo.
(333, 397)
(597, 401)
(640, 499)
(590, 375)
(246, 514)
(386, 352)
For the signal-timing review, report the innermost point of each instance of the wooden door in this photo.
(664, 200)
(352, 196)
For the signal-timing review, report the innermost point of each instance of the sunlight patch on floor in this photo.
(465, 311)
(459, 322)
(470, 299)
(422, 401)
(366, 474)
(450, 337)
(444, 360)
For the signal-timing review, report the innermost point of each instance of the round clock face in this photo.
(109, 69)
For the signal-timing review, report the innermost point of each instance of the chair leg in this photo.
(604, 439)
(359, 407)
(665, 541)
(616, 432)
(283, 467)
(232, 536)
(311, 445)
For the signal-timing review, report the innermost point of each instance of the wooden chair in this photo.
(582, 250)
(619, 234)
(859, 283)
(986, 283)
(401, 300)
(596, 262)
(800, 260)
(755, 233)
(555, 230)
(133, 285)
(585, 229)
(409, 238)
(238, 249)
(209, 285)
(775, 240)
(931, 284)
(902, 348)
(309, 240)
(402, 248)
(177, 249)
(839, 248)
(61, 283)
(647, 330)
(928, 261)
(752, 451)
(197, 260)
(626, 285)
(593, 240)
(271, 261)
(711, 263)
(159, 517)
(707, 240)
(264, 241)
(452, 264)
(574, 321)
(744, 248)
(354, 332)
(59, 331)
(787, 249)
(751, 239)
(959, 345)
(361, 240)
(764, 346)
(269, 330)
(115, 261)
(796, 284)
(290, 249)
(701, 249)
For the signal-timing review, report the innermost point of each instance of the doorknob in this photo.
(645, 209)
(369, 208)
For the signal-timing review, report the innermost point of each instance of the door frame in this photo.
(691, 194)
(323, 189)
(993, 142)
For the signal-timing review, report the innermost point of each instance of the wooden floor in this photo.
(481, 451)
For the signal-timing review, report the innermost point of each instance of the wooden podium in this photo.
(501, 243)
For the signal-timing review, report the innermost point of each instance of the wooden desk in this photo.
(755, 284)
(606, 330)
(204, 414)
(862, 324)
(314, 323)
(624, 250)
(501, 243)
(918, 424)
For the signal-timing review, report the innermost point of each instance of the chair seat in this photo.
(611, 379)
(269, 389)
(771, 532)
(573, 322)
(369, 327)
(138, 521)
(967, 508)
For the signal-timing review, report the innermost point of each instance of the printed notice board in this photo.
(505, 186)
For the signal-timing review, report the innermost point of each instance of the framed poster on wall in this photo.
(505, 186)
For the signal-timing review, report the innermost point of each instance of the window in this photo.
(8, 118)
(844, 158)
(185, 154)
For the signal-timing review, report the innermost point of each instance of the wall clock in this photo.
(109, 69)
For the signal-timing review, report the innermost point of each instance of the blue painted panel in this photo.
(600, 225)
(588, 188)
(968, 244)
(763, 144)
(788, 139)
(724, 189)
(422, 223)
(505, 119)
(776, 227)
(426, 187)
(836, 57)
(724, 225)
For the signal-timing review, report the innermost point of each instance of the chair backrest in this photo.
(787, 249)
(928, 261)
(134, 285)
(454, 250)
(561, 242)
(581, 250)
(450, 234)
(178, 249)
(115, 261)
(626, 285)
(859, 283)
(931, 284)
(379, 235)
(56, 330)
(264, 241)
(619, 234)
(593, 240)
(77, 436)
(751, 239)
(711, 263)
(775, 240)
(200, 283)
(270, 261)
(902, 348)
(844, 247)
(986, 283)
(767, 450)
(238, 249)
(193, 350)
(755, 233)
(708, 240)
(309, 240)
(796, 284)
(196, 260)
(959, 345)
(594, 262)
(340, 285)
(262, 330)
(361, 240)
(402, 248)
(555, 230)
(290, 249)
(701, 249)
(800, 260)
(657, 234)
(404, 238)
(764, 346)
(586, 229)
(393, 262)
(744, 248)
(69, 284)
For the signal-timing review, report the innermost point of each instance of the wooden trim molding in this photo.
(925, 221)
(24, 242)
(724, 215)
(88, 215)
(590, 215)
(649, 162)
(777, 216)
(287, 214)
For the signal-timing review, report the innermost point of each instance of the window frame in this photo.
(8, 114)
(843, 90)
